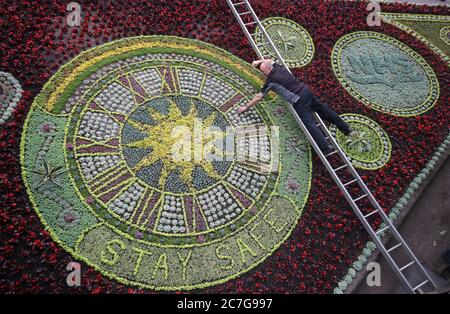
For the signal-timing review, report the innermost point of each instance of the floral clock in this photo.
(292, 41)
(371, 149)
(97, 160)
(10, 95)
(385, 74)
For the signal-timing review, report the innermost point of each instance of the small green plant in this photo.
(285, 42)
(358, 141)
(49, 173)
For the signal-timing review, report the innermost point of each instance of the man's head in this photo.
(265, 65)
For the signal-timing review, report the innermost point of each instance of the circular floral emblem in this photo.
(370, 149)
(292, 41)
(136, 161)
(445, 34)
(385, 74)
(10, 95)
(145, 144)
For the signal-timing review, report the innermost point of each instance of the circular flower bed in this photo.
(292, 41)
(10, 95)
(370, 149)
(127, 206)
(385, 74)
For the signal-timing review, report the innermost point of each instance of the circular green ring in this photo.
(309, 42)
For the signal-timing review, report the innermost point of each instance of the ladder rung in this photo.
(381, 230)
(350, 182)
(370, 214)
(394, 247)
(238, 3)
(332, 153)
(421, 284)
(407, 265)
(243, 13)
(262, 44)
(250, 23)
(339, 168)
(257, 33)
(361, 197)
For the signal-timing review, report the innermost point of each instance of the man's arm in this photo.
(256, 63)
(258, 97)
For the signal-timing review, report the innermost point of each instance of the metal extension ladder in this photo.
(252, 27)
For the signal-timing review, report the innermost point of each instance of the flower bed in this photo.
(324, 243)
(125, 206)
(294, 42)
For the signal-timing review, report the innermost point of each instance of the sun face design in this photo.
(180, 142)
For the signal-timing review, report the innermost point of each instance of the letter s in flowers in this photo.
(373, 279)
(373, 18)
(73, 279)
(74, 17)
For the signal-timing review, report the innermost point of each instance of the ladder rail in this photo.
(355, 207)
(243, 26)
(262, 30)
(376, 205)
(373, 234)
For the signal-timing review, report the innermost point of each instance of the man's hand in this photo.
(242, 109)
(257, 63)
(252, 102)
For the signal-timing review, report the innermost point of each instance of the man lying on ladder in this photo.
(287, 86)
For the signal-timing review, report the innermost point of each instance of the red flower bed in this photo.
(35, 42)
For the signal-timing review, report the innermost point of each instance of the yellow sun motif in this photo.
(160, 138)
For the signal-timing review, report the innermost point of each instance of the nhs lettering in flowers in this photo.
(98, 161)
(385, 74)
